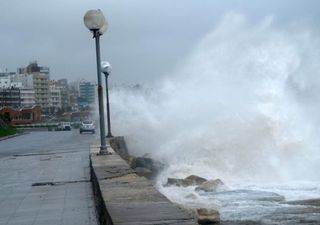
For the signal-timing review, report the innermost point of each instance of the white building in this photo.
(41, 88)
(87, 94)
(28, 98)
(25, 79)
(55, 102)
(5, 81)
(39, 82)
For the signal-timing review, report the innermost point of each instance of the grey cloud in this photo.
(145, 40)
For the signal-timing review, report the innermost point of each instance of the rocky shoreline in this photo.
(286, 212)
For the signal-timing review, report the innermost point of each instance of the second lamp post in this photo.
(106, 69)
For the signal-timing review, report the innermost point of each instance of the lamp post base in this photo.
(104, 151)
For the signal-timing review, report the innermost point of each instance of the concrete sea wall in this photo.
(124, 198)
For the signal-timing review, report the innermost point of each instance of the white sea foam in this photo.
(243, 106)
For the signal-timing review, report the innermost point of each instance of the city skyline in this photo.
(31, 86)
(18, 70)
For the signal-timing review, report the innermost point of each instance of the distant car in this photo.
(64, 126)
(87, 126)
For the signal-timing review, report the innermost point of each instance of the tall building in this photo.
(74, 95)
(25, 79)
(5, 81)
(12, 81)
(62, 84)
(33, 67)
(41, 88)
(37, 78)
(10, 97)
(55, 103)
(86, 93)
(28, 98)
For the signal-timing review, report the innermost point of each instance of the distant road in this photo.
(39, 142)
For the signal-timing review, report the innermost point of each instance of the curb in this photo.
(11, 136)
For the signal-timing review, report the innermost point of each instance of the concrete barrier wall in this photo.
(124, 198)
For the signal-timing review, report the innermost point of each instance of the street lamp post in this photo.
(106, 69)
(97, 24)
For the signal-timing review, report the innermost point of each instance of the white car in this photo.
(87, 126)
(64, 126)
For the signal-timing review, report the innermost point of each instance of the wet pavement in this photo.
(45, 179)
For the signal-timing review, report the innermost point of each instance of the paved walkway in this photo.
(48, 188)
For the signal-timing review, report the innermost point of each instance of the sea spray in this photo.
(242, 106)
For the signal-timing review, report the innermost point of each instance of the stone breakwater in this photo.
(124, 198)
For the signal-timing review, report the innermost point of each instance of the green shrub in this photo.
(7, 131)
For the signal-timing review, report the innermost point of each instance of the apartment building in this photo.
(28, 98)
(55, 103)
(87, 93)
(41, 88)
(10, 97)
(5, 81)
(62, 84)
(33, 67)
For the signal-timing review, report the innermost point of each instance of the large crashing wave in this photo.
(243, 105)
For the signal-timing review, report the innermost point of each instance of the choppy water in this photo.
(242, 107)
(253, 202)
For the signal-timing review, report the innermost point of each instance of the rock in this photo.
(145, 166)
(119, 146)
(196, 179)
(207, 216)
(188, 181)
(141, 162)
(157, 166)
(212, 186)
(144, 172)
(178, 182)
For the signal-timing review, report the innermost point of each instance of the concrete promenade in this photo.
(46, 188)
(42, 183)
(124, 198)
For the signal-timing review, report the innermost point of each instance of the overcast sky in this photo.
(146, 38)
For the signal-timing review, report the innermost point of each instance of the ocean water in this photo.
(243, 106)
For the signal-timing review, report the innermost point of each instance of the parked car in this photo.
(87, 126)
(64, 126)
